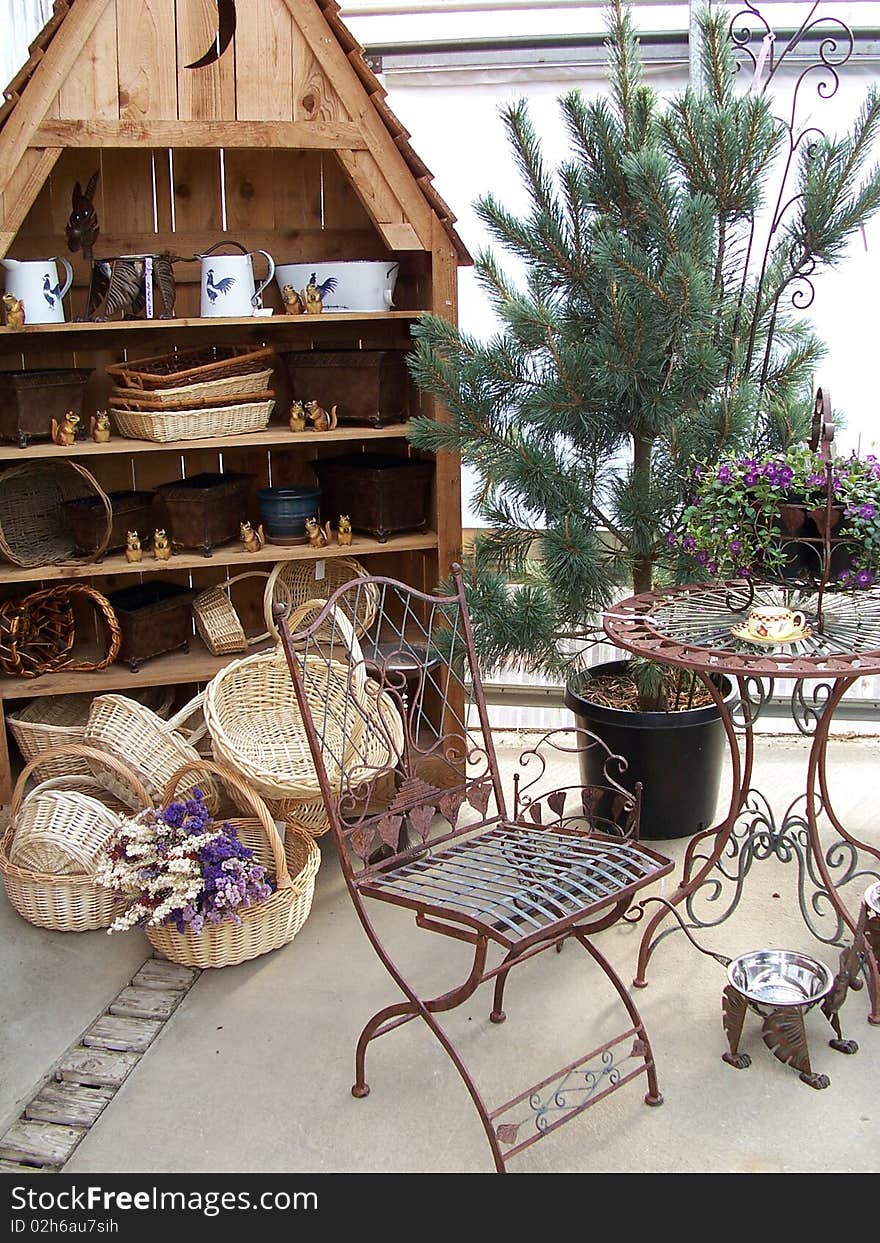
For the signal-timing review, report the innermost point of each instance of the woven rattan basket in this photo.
(60, 901)
(164, 426)
(188, 367)
(56, 721)
(38, 632)
(34, 530)
(224, 392)
(151, 747)
(217, 621)
(291, 866)
(293, 583)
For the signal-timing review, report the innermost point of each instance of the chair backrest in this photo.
(386, 718)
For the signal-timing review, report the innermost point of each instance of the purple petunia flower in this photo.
(702, 557)
(867, 511)
(864, 578)
(750, 478)
(724, 474)
(688, 543)
(735, 546)
(670, 539)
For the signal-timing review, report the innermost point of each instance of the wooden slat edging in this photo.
(146, 1003)
(295, 135)
(127, 1035)
(101, 1069)
(158, 973)
(69, 1104)
(40, 1142)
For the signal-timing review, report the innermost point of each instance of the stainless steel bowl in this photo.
(780, 978)
(872, 897)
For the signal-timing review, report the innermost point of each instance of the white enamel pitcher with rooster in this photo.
(35, 283)
(228, 286)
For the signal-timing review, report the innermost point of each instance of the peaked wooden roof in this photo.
(18, 112)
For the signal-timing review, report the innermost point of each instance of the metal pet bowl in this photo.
(780, 978)
(872, 898)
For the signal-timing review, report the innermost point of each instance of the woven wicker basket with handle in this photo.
(217, 621)
(293, 583)
(52, 821)
(291, 865)
(151, 747)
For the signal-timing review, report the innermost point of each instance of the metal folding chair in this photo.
(412, 786)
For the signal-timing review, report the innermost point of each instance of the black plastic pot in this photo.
(677, 756)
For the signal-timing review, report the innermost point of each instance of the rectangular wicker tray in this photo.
(190, 367)
(166, 426)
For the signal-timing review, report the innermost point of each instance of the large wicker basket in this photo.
(293, 583)
(51, 821)
(165, 426)
(50, 722)
(151, 747)
(217, 621)
(34, 530)
(188, 367)
(291, 866)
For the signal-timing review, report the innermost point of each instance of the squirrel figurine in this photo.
(99, 426)
(343, 533)
(161, 545)
(319, 536)
(64, 433)
(323, 422)
(252, 540)
(293, 303)
(297, 418)
(13, 311)
(133, 550)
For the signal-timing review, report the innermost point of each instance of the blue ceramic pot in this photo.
(284, 512)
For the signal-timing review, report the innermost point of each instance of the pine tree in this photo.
(647, 333)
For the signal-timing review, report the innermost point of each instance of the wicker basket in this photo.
(265, 926)
(38, 633)
(151, 747)
(217, 621)
(224, 392)
(57, 721)
(188, 367)
(293, 583)
(34, 530)
(163, 427)
(62, 902)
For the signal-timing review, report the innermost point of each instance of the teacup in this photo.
(780, 623)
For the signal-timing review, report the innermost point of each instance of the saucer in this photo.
(742, 632)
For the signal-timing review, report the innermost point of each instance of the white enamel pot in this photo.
(227, 282)
(35, 282)
(350, 285)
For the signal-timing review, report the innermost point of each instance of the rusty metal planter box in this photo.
(205, 510)
(381, 494)
(132, 511)
(368, 387)
(30, 400)
(154, 617)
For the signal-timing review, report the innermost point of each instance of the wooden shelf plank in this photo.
(175, 669)
(229, 554)
(268, 323)
(274, 436)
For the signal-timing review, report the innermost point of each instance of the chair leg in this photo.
(643, 1045)
(403, 1012)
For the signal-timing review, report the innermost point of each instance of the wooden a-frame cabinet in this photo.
(284, 143)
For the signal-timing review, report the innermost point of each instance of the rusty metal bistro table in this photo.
(689, 627)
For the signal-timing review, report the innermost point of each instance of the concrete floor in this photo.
(258, 1058)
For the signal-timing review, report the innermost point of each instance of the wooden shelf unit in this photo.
(284, 144)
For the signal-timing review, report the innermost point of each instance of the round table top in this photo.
(690, 626)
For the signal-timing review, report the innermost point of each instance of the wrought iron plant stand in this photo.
(400, 752)
(690, 627)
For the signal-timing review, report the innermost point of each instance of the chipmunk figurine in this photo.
(297, 418)
(322, 421)
(319, 536)
(13, 311)
(161, 545)
(99, 426)
(133, 550)
(343, 533)
(293, 303)
(64, 433)
(252, 540)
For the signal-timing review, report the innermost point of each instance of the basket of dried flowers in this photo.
(211, 893)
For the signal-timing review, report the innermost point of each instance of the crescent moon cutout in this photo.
(226, 22)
